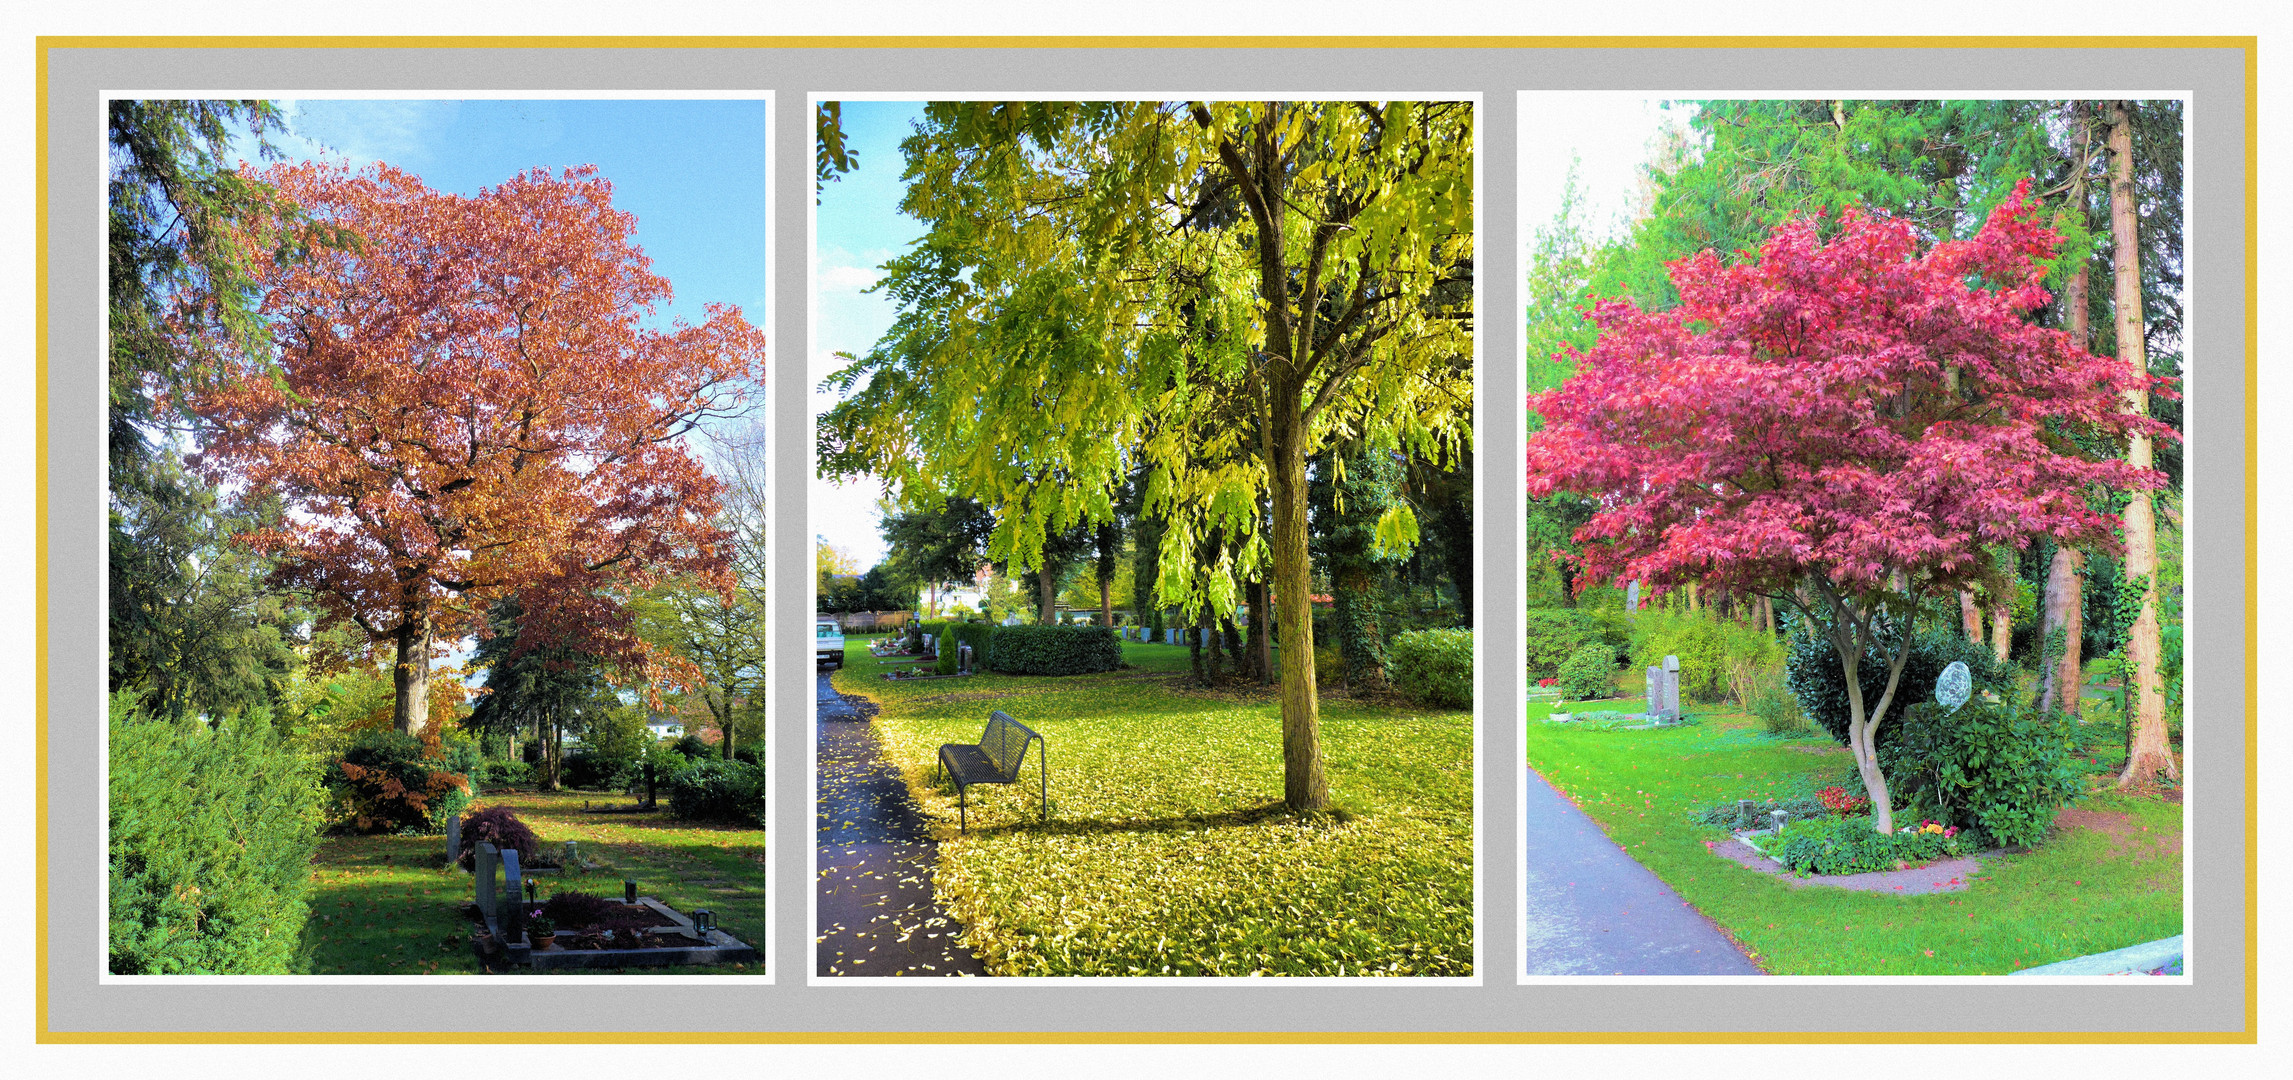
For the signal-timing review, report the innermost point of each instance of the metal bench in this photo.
(995, 759)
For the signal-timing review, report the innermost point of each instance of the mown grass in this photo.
(1168, 851)
(382, 905)
(2110, 876)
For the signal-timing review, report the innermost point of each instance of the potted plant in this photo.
(543, 933)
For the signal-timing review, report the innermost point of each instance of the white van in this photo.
(827, 641)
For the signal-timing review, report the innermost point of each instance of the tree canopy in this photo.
(466, 404)
(1847, 413)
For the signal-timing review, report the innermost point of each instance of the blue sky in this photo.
(857, 228)
(693, 171)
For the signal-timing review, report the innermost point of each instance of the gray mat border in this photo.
(77, 1003)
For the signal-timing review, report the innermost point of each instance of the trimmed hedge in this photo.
(713, 789)
(1552, 635)
(211, 837)
(1054, 650)
(978, 635)
(1434, 666)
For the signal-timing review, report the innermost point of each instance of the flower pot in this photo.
(545, 941)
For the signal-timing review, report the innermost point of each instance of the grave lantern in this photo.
(704, 920)
(628, 892)
(1779, 817)
(532, 886)
(572, 854)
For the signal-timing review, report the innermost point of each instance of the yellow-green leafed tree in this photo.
(1206, 291)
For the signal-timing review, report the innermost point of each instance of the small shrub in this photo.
(1054, 650)
(1850, 845)
(1434, 666)
(2000, 768)
(499, 826)
(212, 831)
(1710, 649)
(1841, 802)
(389, 782)
(1762, 691)
(1552, 635)
(1589, 674)
(713, 789)
(508, 773)
(583, 769)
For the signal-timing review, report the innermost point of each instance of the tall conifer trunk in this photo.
(2065, 586)
(2148, 756)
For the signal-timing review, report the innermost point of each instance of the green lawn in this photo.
(2111, 875)
(1168, 853)
(381, 905)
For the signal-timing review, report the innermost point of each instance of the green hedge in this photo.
(212, 833)
(713, 789)
(1552, 635)
(1054, 650)
(1589, 674)
(975, 634)
(1707, 646)
(1816, 679)
(1434, 666)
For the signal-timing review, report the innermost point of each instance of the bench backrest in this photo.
(1005, 743)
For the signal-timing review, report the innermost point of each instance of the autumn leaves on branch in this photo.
(462, 401)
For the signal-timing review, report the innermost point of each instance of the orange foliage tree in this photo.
(464, 402)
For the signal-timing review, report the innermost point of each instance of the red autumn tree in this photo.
(464, 403)
(1840, 425)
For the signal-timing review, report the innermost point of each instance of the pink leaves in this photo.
(1797, 413)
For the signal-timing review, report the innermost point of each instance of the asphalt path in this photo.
(1593, 910)
(877, 914)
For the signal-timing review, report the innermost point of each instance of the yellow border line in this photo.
(2247, 43)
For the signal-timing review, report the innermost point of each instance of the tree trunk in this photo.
(410, 679)
(2001, 629)
(724, 720)
(2148, 756)
(1304, 784)
(1047, 587)
(1970, 616)
(1106, 602)
(2064, 614)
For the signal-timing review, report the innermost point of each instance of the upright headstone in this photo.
(453, 838)
(1653, 681)
(513, 894)
(488, 858)
(1672, 687)
(1632, 598)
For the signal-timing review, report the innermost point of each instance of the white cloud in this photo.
(846, 277)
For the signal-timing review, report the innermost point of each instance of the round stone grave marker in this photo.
(1954, 685)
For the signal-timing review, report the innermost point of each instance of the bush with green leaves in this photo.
(212, 831)
(586, 769)
(1763, 693)
(1054, 650)
(1813, 673)
(1552, 635)
(713, 789)
(2000, 768)
(1434, 666)
(978, 635)
(1589, 673)
(1733, 815)
(1710, 648)
(1849, 845)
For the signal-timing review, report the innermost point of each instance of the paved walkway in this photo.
(1593, 910)
(876, 912)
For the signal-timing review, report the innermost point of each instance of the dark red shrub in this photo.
(498, 826)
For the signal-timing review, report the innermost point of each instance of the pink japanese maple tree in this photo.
(1842, 425)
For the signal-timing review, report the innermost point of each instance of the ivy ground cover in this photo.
(382, 905)
(1168, 852)
(2109, 876)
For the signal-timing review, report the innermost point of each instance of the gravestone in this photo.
(1653, 681)
(1954, 685)
(1672, 687)
(489, 857)
(453, 838)
(513, 896)
(1632, 598)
